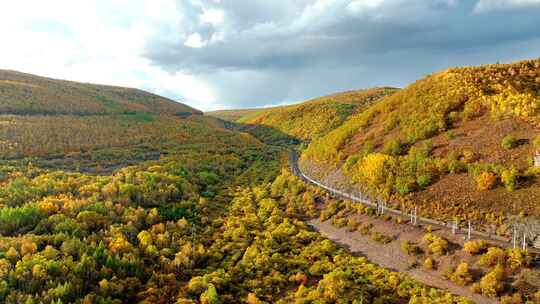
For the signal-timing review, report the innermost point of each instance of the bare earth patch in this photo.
(391, 256)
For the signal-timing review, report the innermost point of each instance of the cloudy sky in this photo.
(215, 54)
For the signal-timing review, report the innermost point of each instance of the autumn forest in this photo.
(113, 195)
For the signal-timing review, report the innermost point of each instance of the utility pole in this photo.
(193, 231)
(514, 238)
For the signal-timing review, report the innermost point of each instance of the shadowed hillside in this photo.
(307, 120)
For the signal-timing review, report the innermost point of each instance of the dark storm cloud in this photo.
(267, 52)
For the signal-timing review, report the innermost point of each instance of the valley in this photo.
(115, 195)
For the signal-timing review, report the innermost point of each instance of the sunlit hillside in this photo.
(234, 115)
(181, 210)
(307, 120)
(459, 142)
(77, 126)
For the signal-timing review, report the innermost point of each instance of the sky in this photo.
(223, 54)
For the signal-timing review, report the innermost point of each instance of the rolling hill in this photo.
(70, 125)
(234, 115)
(28, 94)
(183, 210)
(458, 143)
(307, 120)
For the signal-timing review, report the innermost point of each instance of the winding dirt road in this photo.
(389, 256)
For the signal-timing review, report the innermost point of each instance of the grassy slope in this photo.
(307, 120)
(455, 120)
(233, 115)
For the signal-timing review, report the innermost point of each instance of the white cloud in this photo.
(494, 5)
(214, 17)
(98, 42)
(195, 41)
(360, 6)
(214, 54)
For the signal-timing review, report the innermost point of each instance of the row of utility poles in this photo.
(516, 237)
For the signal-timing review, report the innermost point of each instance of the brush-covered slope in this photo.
(316, 117)
(27, 94)
(208, 220)
(307, 120)
(75, 125)
(233, 115)
(461, 141)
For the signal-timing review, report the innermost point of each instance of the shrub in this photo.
(493, 256)
(352, 224)
(491, 284)
(404, 185)
(392, 147)
(455, 166)
(435, 243)
(475, 247)
(429, 264)
(517, 258)
(509, 178)
(462, 275)
(469, 156)
(409, 248)
(486, 181)
(377, 168)
(380, 238)
(339, 222)
(197, 285)
(423, 180)
(516, 298)
(365, 229)
(450, 134)
(210, 296)
(536, 142)
(412, 263)
(509, 142)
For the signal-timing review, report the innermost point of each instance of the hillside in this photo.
(95, 128)
(27, 94)
(183, 210)
(456, 143)
(307, 120)
(233, 115)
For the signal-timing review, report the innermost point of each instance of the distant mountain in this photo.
(27, 94)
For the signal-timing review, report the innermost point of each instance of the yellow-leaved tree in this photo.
(376, 170)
